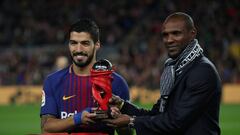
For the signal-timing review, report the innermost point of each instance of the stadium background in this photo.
(32, 44)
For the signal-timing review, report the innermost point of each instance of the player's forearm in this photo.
(53, 125)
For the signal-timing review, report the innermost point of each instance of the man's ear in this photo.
(194, 33)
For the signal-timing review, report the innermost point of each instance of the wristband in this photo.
(78, 117)
(88, 109)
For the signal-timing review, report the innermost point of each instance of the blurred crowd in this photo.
(32, 36)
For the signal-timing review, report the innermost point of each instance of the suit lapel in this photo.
(184, 72)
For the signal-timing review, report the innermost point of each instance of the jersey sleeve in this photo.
(120, 86)
(48, 105)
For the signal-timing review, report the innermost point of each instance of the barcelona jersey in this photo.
(65, 94)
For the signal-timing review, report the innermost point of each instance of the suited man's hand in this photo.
(121, 121)
(116, 101)
(115, 112)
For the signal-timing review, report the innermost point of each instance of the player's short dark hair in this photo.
(85, 25)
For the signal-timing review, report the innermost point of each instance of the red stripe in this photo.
(69, 92)
(79, 94)
(90, 99)
(87, 92)
(72, 93)
(75, 93)
(84, 87)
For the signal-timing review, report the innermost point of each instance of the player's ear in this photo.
(97, 45)
(68, 46)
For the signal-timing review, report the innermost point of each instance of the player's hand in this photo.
(87, 118)
(116, 101)
(84, 117)
(121, 121)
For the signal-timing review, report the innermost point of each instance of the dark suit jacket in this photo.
(192, 108)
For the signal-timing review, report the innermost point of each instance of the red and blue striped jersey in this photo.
(65, 94)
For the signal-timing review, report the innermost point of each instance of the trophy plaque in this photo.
(101, 78)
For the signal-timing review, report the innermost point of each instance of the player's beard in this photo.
(83, 64)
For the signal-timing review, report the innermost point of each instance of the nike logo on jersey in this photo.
(68, 97)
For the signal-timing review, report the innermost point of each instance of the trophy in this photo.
(101, 78)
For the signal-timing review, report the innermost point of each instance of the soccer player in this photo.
(67, 94)
(190, 88)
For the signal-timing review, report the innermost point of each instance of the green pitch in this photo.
(24, 119)
(19, 120)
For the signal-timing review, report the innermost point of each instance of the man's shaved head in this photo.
(182, 16)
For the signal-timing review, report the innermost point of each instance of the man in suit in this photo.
(190, 89)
